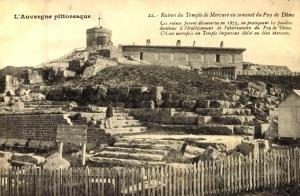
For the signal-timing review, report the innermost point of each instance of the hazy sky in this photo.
(31, 42)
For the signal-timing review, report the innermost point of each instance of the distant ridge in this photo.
(14, 71)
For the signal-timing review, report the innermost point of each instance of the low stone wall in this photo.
(30, 126)
(40, 131)
(215, 104)
(223, 111)
(233, 120)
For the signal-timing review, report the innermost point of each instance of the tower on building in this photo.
(98, 37)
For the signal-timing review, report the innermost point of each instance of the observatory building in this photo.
(98, 37)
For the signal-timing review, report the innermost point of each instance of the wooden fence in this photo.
(231, 175)
(266, 73)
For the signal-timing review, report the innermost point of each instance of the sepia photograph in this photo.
(149, 98)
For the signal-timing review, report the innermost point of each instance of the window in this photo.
(156, 56)
(201, 58)
(230, 58)
(298, 115)
(141, 56)
(186, 57)
(172, 57)
(217, 58)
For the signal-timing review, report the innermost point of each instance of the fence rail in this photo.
(266, 73)
(231, 175)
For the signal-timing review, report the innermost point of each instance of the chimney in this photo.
(178, 43)
(221, 44)
(148, 42)
(194, 43)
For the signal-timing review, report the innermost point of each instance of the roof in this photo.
(98, 29)
(297, 92)
(185, 47)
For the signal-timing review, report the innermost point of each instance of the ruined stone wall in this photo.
(30, 126)
(100, 95)
(8, 82)
(34, 76)
(286, 82)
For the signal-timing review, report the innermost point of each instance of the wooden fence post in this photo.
(83, 153)
(60, 148)
(240, 173)
(202, 177)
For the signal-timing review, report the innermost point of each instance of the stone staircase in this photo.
(126, 151)
(124, 124)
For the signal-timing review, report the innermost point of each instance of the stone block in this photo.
(202, 104)
(28, 158)
(34, 144)
(148, 104)
(15, 142)
(203, 120)
(217, 129)
(244, 130)
(194, 150)
(210, 111)
(189, 104)
(178, 120)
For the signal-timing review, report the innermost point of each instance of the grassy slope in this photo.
(184, 84)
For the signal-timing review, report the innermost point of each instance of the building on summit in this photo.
(192, 56)
(99, 38)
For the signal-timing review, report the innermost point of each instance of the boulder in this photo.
(4, 164)
(211, 153)
(194, 150)
(5, 155)
(72, 105)
(10, 93)
(187, 156)
(254, 146)
(245, 148)
(39, 97)
(55, 161)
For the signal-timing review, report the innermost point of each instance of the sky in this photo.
(32, 42)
